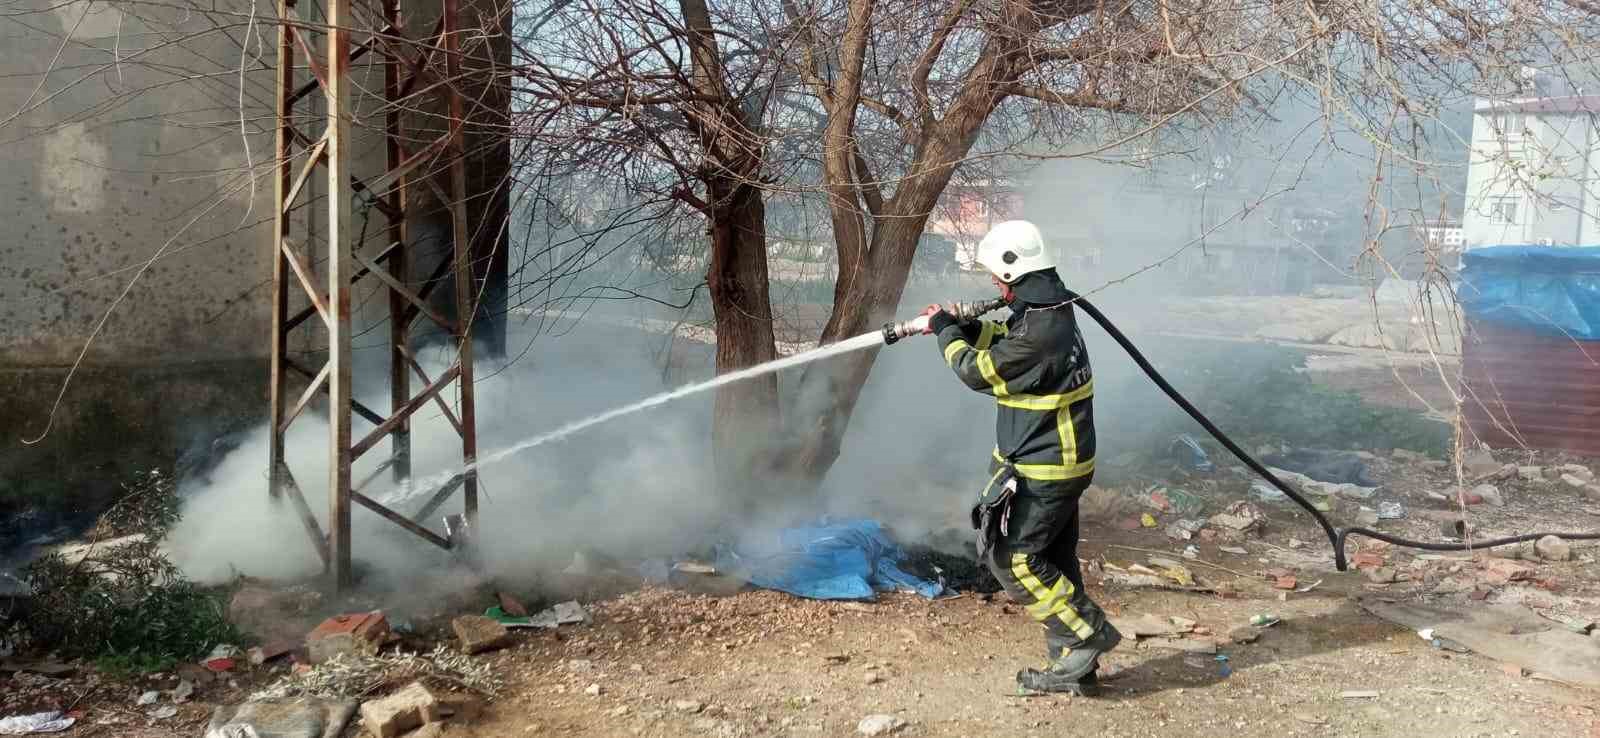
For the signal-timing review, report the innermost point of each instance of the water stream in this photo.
(429, 484)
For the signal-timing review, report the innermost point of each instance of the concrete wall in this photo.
(127, 147)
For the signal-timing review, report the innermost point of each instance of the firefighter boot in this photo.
(1071, 669)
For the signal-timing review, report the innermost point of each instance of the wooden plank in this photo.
(305, 397)
(439, 498)
(313, 158)
(383, 429)
(336, 87)
(466, 294)
(283, 142)
(365, 412)
(307, 520)
(388, 253)
(404, 291)
(303, 272)
(397, 518)
(444, 407)
(400, 264)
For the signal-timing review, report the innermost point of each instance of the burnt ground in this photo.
(668, 662)
(671, 662)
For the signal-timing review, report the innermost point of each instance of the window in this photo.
(1503, 210)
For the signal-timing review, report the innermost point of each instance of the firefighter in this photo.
(1036, 366)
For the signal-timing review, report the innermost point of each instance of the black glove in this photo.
(937, 322)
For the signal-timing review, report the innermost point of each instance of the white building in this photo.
(1534, 174)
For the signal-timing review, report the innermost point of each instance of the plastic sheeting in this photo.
(845, 560)
(1549, 290)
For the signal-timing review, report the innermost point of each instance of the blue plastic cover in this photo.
(1551, 290)
(846, 560)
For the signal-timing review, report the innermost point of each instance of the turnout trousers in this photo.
(1035, 557)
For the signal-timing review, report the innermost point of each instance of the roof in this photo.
(1582, 104)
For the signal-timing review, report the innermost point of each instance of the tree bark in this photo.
(745, 413)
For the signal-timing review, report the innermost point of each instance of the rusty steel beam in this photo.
(466, 301)
(336, 85)
(398, 519)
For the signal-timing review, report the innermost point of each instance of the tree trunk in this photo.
(829, 390)
(746, 413)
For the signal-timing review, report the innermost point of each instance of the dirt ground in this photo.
(670, 664)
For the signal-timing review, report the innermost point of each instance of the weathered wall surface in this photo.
(121, 141)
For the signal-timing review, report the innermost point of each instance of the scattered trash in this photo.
(1177, 501)
(1383, 575)
(1359, 694)
(879, 725)
(346, 677)
(148, 698)
(356, 634)
(564, 613)
(1333, 467)
(1552, 548)
(1445, 644)
(39, 722)
(163, 712)
(1285, 582)
(846, 560)
(1191, 551)
(511, 605)
(1348, 491)
(1263, 492)
(694, 567)
(1189, 455)
(1143, 576)
(1309, 587)
(1366, 516)
(1146, 626)
(1391, 511)
(1240, 518)
(1490, 494)
(1366, 560)
(1264, 620)
(183, 691)
(1147, 520)
(224, 651)
(1224, 669)
(478, 633)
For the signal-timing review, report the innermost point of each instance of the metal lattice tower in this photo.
(416, 71)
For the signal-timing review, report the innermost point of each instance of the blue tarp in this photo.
(1552, 290)
(844, 560)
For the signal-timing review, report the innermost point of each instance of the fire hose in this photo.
(1337, 537)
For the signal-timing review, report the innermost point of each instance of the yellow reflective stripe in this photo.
(1049, 602)
(1069, 436)
(986, 367)
(1048, 402)
(1019, 569)
(1055, 472)
(986, 334)
(955, 347)
(990, 486)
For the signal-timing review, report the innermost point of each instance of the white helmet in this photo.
(1012, 249)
